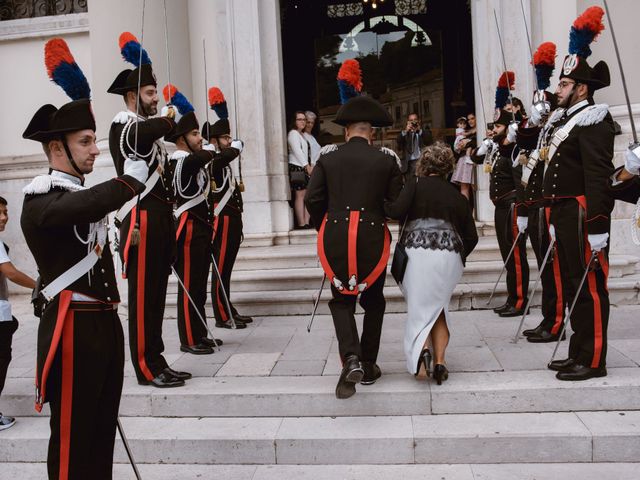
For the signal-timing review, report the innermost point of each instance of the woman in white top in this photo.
(300, 167)
(315, 146)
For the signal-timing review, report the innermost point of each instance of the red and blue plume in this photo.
(544, 62)
(218, 103)
(584, 31)
(506, 82)
(173, 96)
(349, 80)
(64, 71)
(130, 49)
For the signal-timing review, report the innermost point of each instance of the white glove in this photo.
(484, 147)
(138, 169)
(512, 132)
(522, 223)
(121, 117)
(169, 111)
(209, 147)
(631, 160)
(552, 232)
(536, 117)
(238, 145)
(597, 241)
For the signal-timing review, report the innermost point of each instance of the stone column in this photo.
(488, 58)
(258, 101)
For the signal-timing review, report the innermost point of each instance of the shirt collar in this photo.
(66, 176)
(577, 107)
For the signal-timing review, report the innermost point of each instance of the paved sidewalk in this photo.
(281, 346)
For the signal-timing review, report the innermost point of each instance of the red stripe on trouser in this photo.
(183, 219)
(518, 262)
(66, 396)
(557, 279)
(597, 311)
(352, 245)
(63, 307)
(142, 251)
(223, 251)
(186, 280)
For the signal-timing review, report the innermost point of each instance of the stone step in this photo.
(579, 437)
(466, 296)
(310, 277)
(393, 395)
(305, 255)
(505, 471)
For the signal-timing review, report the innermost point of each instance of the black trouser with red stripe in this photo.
(226, 243)
(343, 308)
(590, 317)
(148, 269)
(552, 298)
(517, 266)
(83, 389)
(7, 329)
(192, 264)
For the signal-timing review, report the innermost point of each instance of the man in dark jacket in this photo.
(353, 239)
(411, 140)
(576, 188)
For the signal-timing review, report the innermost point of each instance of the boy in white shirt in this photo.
(8, 323)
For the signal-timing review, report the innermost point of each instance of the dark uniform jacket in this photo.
(149, 130)
(192, 164)
(219, 171)
(582, 166)
(627, 191)
(345, 199)
(52, 219)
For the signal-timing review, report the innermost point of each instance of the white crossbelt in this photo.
(73, 274)
(148, 186)
(562, 133)
(226, 197)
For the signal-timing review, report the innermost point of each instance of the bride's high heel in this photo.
(424, 360)
(440, 373)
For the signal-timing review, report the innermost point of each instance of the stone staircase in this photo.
(284, 279)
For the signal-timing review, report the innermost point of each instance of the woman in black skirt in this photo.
(300, 167)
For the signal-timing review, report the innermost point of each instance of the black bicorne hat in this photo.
(217, 129)
(187, 123)
(128, 79)
(578, 69)
(363, 109)
(50, 123)
(505, 118)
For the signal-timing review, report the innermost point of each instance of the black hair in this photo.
(3, 201)
(292, 125)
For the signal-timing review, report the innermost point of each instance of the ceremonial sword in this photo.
(128, 449)
(225, 297)
(504, 267)
(193, 304)
(232, 30)
(533, 290)
(504, 63)
(594, 255)
(315, 305)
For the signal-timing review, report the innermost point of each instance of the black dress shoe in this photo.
(164, 380)
(210, 343)
(440, 373)
(242, 318)
(561, 365)
(199, 349)
(533, 331)
(579, 372)
(239, 325)
(177, 374)
(351, 374)
(545, 336)
(501, 308)
(372, 373)
(511, 312)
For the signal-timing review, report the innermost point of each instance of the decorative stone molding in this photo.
(44, 26)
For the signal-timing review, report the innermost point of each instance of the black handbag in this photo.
(400, 258)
